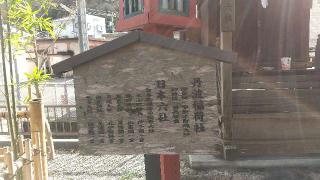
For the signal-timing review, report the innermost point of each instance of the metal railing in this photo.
(62, 120)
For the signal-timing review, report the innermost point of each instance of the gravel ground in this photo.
(68, 165)
(79, 167)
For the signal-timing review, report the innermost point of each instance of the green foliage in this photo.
(37, 77)
(129, 176)
(34, 79)
(28, 17)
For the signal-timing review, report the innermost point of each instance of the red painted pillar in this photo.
(170, 167)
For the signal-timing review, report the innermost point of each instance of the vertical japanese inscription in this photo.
(186, 105)
(198, 105)
(139, 114)
(185, 111)
(129, 109)
(161, 98)
(149, 109)
(175, 105)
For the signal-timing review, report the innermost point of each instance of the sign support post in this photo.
(170, 167)
(227, 20)
(152, 166)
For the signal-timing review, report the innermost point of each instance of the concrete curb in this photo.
(208, 161)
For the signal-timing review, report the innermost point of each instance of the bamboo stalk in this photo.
(3, 151)
(35, 136)
(13, 131)
(27, 169)
(13, 96)
(37, 123)
(51, 153)
(8, 159)
(21, 146)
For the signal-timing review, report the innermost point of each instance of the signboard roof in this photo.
(134, 37)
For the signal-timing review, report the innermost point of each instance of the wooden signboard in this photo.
(143, 98)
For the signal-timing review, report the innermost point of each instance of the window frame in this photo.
(176, 12)
(125, 15)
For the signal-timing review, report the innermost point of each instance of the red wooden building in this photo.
(158, 16)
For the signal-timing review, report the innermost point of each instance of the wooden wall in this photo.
(263, 36)
(284, 32)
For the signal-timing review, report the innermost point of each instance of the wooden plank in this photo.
(275, 78)
(277, 126)
(278, 148)
(279, 116)
(276, 101)
(277, 73)
(275, 108)
(244, 94)
(280, 85)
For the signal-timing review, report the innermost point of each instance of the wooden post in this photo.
(8, 159)
(170, 167)
(27, 170)
(209, 22)
(317, 58)
(37, 123)
(227, 25)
